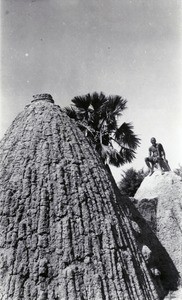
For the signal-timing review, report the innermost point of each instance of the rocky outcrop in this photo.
(159, 199)
(63, 233)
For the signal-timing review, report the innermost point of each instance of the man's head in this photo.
(153, 140)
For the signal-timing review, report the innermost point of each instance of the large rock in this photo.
(159, 199)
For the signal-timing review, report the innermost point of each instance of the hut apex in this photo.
(46, 97)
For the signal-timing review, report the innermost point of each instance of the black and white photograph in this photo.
(90, 150)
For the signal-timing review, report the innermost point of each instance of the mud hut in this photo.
(63, 233)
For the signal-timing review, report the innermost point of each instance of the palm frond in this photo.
(82, 102)
(112, 125)
(98, 100)
(85, 127)
(71, 112)
(125, 135)
(111, 155)
(115, 105)
(127, 154)
(116, 159)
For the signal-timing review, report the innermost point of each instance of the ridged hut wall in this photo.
(63, 235)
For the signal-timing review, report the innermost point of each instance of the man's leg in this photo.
(150, 166)
(160, 165)
(152, 169)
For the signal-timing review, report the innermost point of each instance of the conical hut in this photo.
(63, 233)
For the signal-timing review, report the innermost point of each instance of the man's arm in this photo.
(162, 152)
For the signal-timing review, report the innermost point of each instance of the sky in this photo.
(67, 48)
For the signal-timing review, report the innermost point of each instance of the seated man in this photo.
(156, 155)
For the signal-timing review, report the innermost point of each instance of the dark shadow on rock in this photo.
(148, 209)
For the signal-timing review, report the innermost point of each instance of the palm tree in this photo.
(97, 115)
